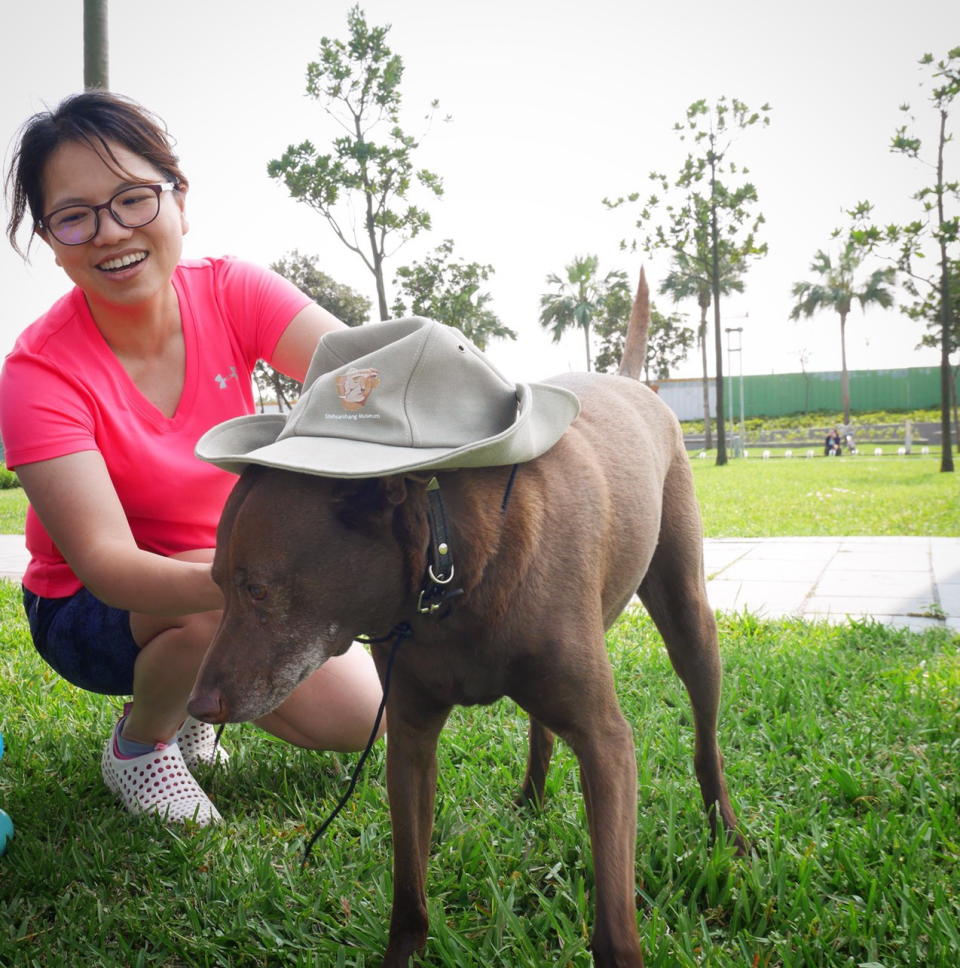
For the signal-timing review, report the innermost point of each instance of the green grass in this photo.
(843, 759)
(13, 510)
(836, 496)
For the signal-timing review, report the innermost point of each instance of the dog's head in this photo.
(305, 564)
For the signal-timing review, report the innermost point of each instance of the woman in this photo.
(101, 403)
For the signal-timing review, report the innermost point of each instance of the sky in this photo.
(553, 106)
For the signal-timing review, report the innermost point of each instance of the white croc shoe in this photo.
(198, 744)
(157, 782)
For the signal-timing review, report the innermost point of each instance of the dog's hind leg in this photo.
(581, 707)
(674, 593)
(538, 763)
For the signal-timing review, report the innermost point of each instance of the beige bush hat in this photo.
(402, 395)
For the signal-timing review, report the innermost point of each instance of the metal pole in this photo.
(729, 383)
(738, 349)
(743, 430)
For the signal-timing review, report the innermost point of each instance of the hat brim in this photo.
(543, 414)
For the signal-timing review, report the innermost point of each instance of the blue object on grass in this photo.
(6, 824)
(6, 831)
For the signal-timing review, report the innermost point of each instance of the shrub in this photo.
(8, 478)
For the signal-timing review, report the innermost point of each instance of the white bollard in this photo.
(809, 453)
(766, 455)
(924, 450)
(702, 455)
(901, 451)
(746, 453)
(788, 453)
(878, 452)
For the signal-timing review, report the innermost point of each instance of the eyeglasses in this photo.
(131, 208)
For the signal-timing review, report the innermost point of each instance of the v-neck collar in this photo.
(146, 408)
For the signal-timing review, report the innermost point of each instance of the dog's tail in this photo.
(635, 346)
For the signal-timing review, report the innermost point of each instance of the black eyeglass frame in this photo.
(158, 189)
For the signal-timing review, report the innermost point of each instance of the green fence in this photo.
(906, 389)
(775, 395)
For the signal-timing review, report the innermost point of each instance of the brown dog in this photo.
(606, 512)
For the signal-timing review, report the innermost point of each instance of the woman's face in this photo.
(119, 266)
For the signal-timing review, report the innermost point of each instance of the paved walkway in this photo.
(912, 582)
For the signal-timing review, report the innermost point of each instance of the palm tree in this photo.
(837, 291)
(690, 277)
(579, 299)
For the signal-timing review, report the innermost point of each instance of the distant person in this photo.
(102, 401)
(851, 443)
(831, 446)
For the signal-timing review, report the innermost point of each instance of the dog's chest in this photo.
(455, 671)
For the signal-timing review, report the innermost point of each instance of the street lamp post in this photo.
(738, 349)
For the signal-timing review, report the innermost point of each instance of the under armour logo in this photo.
(222, 380)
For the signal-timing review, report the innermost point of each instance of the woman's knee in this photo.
(193, 632)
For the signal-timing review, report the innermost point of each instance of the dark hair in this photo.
(93, 118)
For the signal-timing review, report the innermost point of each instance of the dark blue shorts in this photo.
(87, 642)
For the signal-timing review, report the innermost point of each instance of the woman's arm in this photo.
(294, 349)
(78, 505)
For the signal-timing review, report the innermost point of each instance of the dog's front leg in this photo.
(608, 771)
(411, 786)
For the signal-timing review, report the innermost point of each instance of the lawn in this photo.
(843, 759)
(795, 496)
(13, 508)
(827, 496)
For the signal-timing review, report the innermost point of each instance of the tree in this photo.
(449, 292)
(690, 278)
(348, 306)
(933, 229)
(358, 84)
(837, 291)
(581, 298)
(303, 271)
(668, 342)
(96, 72)
(707, 216)
(928, 309)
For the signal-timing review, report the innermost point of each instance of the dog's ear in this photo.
(395, 488)
(360, 501)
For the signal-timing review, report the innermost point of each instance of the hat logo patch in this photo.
(355, 386)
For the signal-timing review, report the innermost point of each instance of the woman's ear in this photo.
(44, 235)
(180, 194)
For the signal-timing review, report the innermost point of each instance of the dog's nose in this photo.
(208, 707)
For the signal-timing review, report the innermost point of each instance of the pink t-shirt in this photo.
(62, 390)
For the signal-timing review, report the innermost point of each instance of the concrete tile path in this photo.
(911, 582)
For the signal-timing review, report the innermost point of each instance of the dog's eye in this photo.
(257, 592)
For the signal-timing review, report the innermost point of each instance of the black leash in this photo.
(509, 488)
(399, 633)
